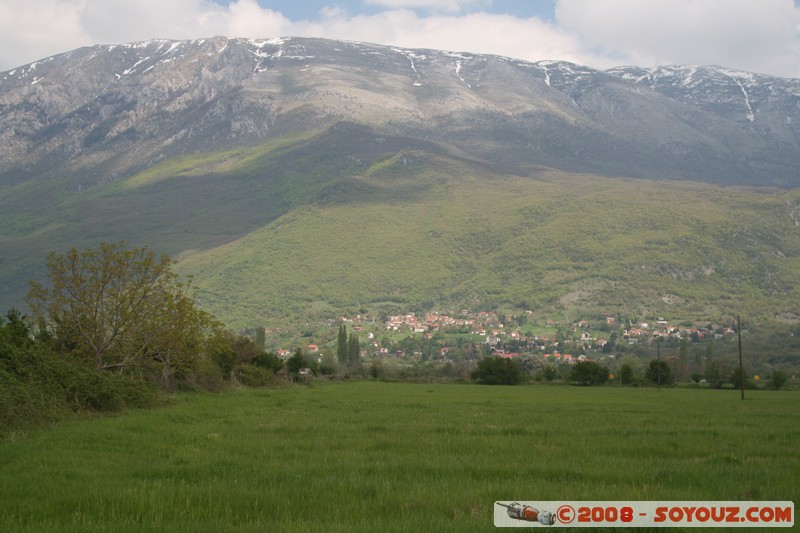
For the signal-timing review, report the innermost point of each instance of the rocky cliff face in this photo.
(104, 112)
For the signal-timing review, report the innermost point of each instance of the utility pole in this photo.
(741, 364)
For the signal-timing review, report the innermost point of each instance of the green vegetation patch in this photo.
(367, 456)
(220, 162)
(461, 238)
(349, 217)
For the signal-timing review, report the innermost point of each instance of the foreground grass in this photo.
(394, 457)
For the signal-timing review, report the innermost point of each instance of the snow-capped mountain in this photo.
(304, 173)
(104, 112)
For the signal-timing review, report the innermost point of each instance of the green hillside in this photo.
(346, 219)
(419, 231)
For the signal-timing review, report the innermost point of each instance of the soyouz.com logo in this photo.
(643, 514)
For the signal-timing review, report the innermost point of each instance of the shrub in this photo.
(41, 387)
(497, 371)
(588, 373)
(255, 376)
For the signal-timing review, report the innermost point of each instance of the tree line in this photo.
(109, 328)
(112, 326)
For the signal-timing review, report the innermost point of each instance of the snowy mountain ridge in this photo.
(109, 110)
(502, 173)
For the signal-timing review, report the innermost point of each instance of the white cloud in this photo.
(477, 32)
(245, 18)
(758, 36)
(34, 29)
(114, 21)
(447, 6)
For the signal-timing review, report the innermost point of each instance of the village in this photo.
(440, 336)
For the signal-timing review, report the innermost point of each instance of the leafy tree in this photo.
(497, 371)
(246, 349)
(530, 365)
(713, 374)
(611, 345)
(296, 362)
(562, 335)
(736, 378)
(353, 349)
(626, 374)
(376, 370)
(120, 307)
(14, 337)
(659, 372)
(16, 331)
(223, 354)
(682, 367)
(548, 373)
(268, 360)
(778, 379)
(328, 365)
(588, 373)
(261, 339)
(697, 360)
(342, 346)
(232, 353)
(174, 339)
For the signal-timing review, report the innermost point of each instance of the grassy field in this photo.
(371, 456)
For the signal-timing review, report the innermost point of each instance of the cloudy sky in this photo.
(755, 35)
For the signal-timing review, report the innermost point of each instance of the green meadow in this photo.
(373, 456)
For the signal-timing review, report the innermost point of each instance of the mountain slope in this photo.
(296, 176)
(549, 242)
(111, 111)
